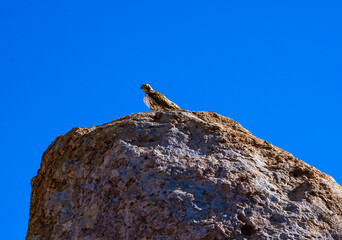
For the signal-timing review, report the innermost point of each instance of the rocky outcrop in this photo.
(178, 175)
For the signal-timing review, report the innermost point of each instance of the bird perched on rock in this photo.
(157, 101)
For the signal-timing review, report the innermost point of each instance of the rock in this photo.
(178, 175)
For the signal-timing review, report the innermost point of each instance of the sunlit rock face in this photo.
(178, 175)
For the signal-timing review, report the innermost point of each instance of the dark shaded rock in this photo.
(178, 175)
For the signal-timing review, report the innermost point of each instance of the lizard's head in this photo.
(146, 88)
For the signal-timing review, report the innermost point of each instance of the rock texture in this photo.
(178, 175)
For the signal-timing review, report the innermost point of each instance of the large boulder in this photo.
(178, 175)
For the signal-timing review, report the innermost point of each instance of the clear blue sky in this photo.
(273, 66)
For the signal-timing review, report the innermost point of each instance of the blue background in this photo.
(273, 66)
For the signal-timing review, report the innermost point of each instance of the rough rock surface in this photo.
(178, 175)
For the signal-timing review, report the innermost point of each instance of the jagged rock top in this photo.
(178, 175)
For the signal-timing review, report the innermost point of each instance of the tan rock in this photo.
(178, 175)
